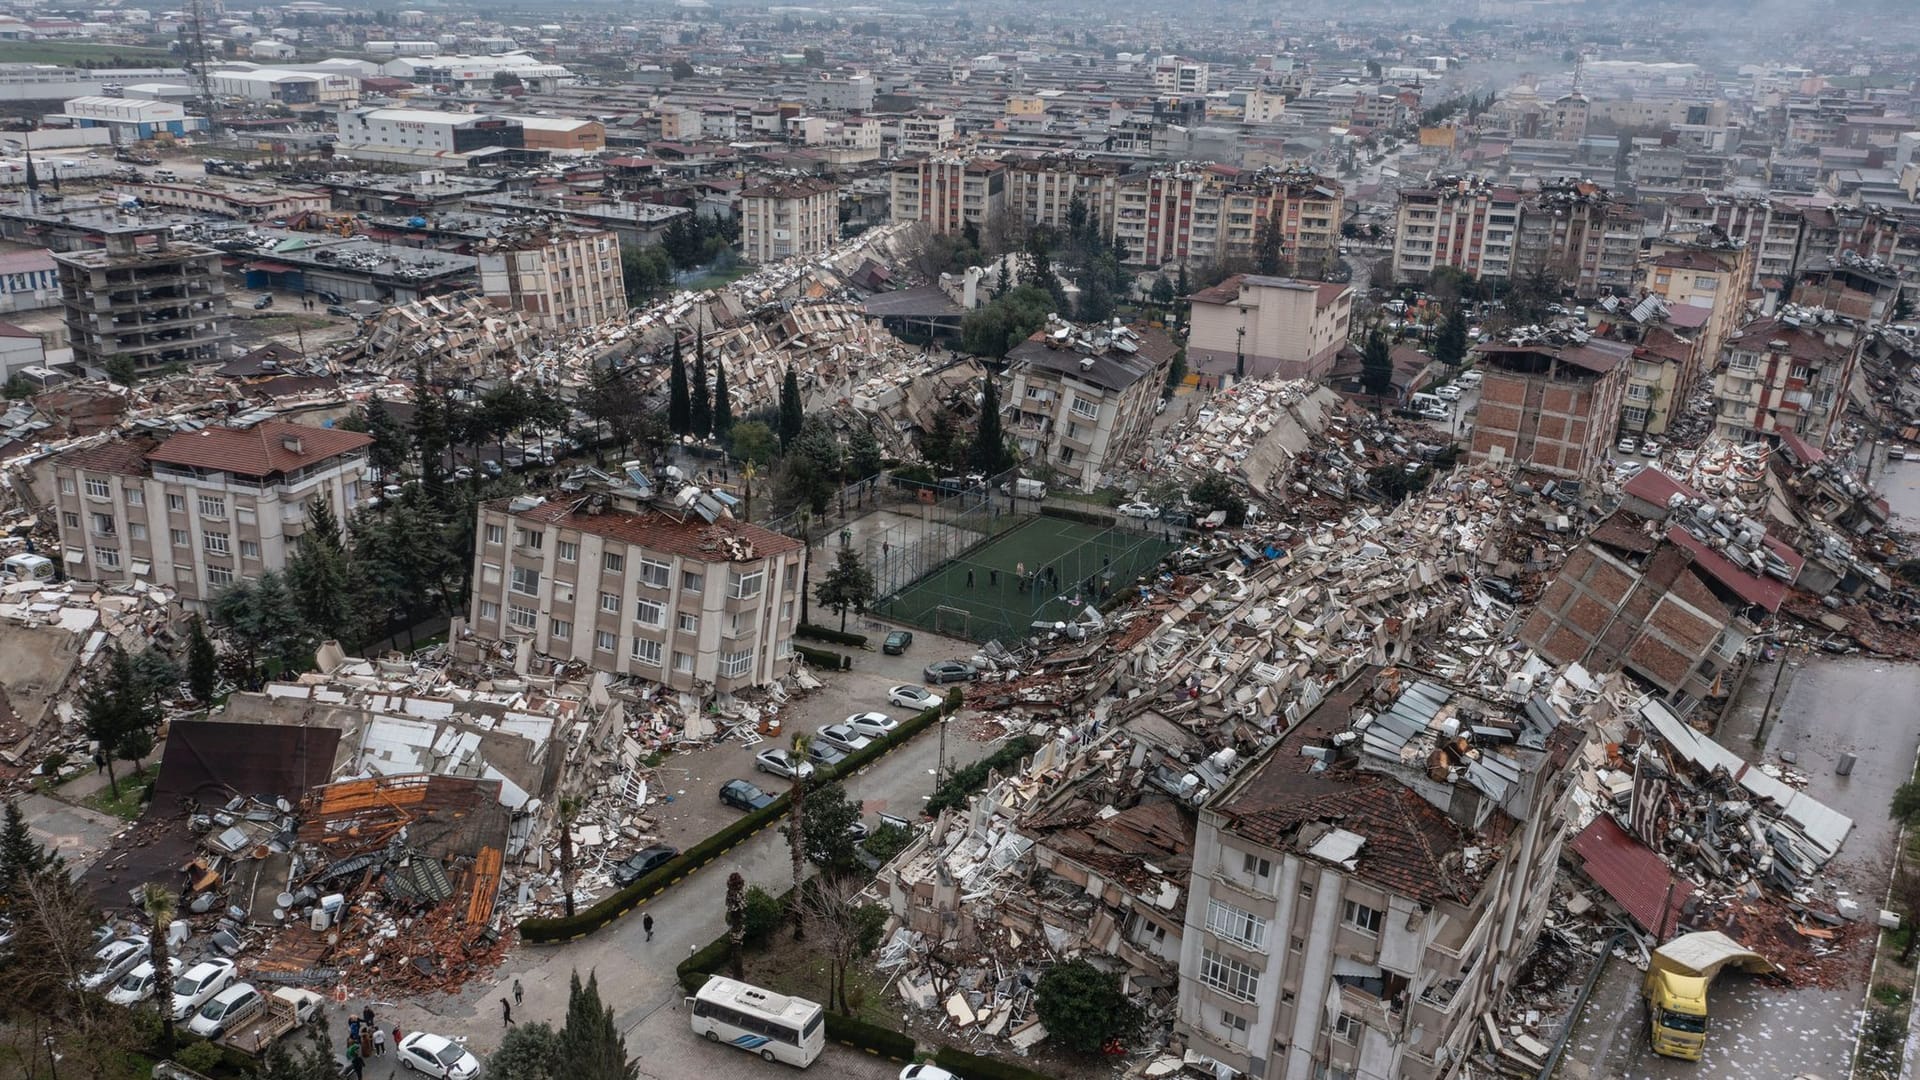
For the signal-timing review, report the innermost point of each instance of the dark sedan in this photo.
(641, 863)
(744, 795)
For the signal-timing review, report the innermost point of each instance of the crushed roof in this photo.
(261, 450)
(692, 538)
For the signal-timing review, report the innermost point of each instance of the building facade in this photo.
(1465, 223)
(1250, 326)
(1788, 373)
(1196, 214)
(201, 509)
(131, 120)
(1083, 402)
(1352, 915)
(144, 300)
(1553, 407)
(630, 588)
(949, 192)
(428, 131)
(557, 277)
(787, 218)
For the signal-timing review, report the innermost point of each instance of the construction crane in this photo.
(202, 70)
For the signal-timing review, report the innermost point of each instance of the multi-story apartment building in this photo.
(1040, 191)
(1576, 230)
(556, 275)
(1462, 222)
(842, 93)
(1787, 373)
(1364, 891)
(1573, 229)
(1774, 230)
(198, 510)
(1195, 214)
(1082, 403)
(1701, 269)
(629, 587)
(948, 192)
(925, 133)
(1250, 326)
(146, 300)
(1172, 75)
(1550, 406)
(785, 218)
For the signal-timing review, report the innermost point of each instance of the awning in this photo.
(1637, 878)
(270, 267)
(141, 568)
(76, 556)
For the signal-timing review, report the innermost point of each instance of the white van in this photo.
(1423, 402)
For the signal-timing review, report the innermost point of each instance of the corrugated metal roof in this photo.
(1637, 878)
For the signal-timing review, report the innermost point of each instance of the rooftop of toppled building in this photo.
(724, 540)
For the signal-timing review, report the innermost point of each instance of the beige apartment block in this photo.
(556, 276)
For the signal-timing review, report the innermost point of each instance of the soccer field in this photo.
(981, 595)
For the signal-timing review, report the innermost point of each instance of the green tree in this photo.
(940, 444)
(591, 1046)
(1004, 322)
(797, 833)
(1215, 492)
(614, 405)
(115, 706)
(528, 1052)
(736, 924)
(990, 454)
(430, 434)
(21, 856)
(1084, 1007)
(263, 621)
(679, 395)
(701, 394)
(681, 69)
(755, 442)
(844, 927)
(810, 472)
(645, 271)
(1162, 292)
(1906, 803)
(1270, 258)
(568, 811)
(863, 453)
(388, 454)
(847, 587)
(1376, 366)
(793, 415)
(1177, 371)
(762, 916)
(722, 401)
(202, 664)
(1096, 302)
(1450, 346)
(321, 577)
(828, 823)
(814, 56)
(120, 369)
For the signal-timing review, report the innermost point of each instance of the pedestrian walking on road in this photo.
(379, 1042)
(396, 1038)
(366, 1013)
(646, 923)
(353, 1060)
(993, 577)
(518, 996)
(506, 1013)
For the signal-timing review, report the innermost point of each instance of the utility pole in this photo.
(196, 21)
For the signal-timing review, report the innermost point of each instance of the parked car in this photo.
(226, 1009)
(917, 698)
(744, 795)
(1500, 589)
(1449, 392)
(113, 960)
(874, 725)
(1650, 447)
(137, 985)
(926, 1072)
(336, 309)
(264, 302)
(780, 763)
(946, 671)
(1627, 444)
(437, 1056)
(641, 863)
(1143, 510)
(329, 297)
(202, 981)
(897, 642)
(842, 737)
(823, 756)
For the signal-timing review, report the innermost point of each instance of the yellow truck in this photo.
(1676, 989)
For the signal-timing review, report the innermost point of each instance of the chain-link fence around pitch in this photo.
(1039, 569)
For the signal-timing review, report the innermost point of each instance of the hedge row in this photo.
(963, 782)
(625, 900)
(829, 634)
(826, 659)
(974, 1067)
(1084, 517)
(869, 1037)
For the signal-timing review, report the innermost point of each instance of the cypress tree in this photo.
(722, 401)
(201, 663)
(792, 416)
(591, 1046)
(679, 403)
(702, 403)
(989, 441)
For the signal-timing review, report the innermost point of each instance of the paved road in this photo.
(636, 975)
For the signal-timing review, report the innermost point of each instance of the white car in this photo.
(1449, 392)
(841, 737)
(113, 960)
(874, 725)
(226, 1009)
(917, 698)
(926, 1072)
(202, 981)
(1147, 511)
(438, 1056)
(781, 763)
(137, 985)
(1650, 447)
(1627, 445)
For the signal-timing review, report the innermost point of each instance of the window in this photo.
(649, 612)
(610, 602)
(106, 558)
(213, 506)
(250, 549)
(561, 629)
(70, 520)
(605, 640)
(176, 502)
(215, 543)
(1633, 415)
(66, 485)
(103, 525)
(533, 538)
(524, 618)
(245, 516)
(526, 580)
(136, 530)
(136, 497)
(496, 534)
(1242, 927)
(1256, 866)
(1346, 1028)
(180, 538)
(1639, 392)
(1229, 976)
(647, 652)
(1084, 409)
(692, 582)
(614, 564)
(99, 489)
(1362, 917)
(568, 551)
(218, 576)
(1801, 372)
(489, 610)
(689, 624)
(1236, 1027)
(746, 586)
(735, 664)
(655, 574)
(1743, 362)
(786, 611)
(682, 662)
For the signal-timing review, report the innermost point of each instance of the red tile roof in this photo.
(1633, 874)
(693, 538)
(261, 450)
(1765, 592)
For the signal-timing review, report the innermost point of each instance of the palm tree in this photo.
(569, 809)
(796, 839)
(158, 900)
